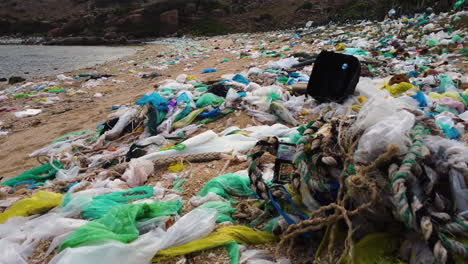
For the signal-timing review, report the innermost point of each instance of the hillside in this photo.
(114, 19)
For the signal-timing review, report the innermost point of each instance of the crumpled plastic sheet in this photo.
(196, 224)
(284, 64)
(20, 236)
(124, 120)
(209, 141)
(137, 172)
(391, 130)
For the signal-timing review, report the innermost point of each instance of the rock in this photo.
(135, 19)
(169, 22)
(15, 79)
(218, 12)
(55, 32)
(110, 35)
(85, 41)
(190, 8)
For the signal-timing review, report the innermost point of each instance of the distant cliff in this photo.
(114, 19)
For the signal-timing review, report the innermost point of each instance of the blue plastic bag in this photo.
(155, 99)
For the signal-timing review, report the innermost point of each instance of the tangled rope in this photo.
(324, 165)
(410, 209)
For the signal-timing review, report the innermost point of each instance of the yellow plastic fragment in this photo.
(39, 203)
(176, 166)
(452, 95)
(340, 47)
(362, 99)
(398, 89)
(50, 88)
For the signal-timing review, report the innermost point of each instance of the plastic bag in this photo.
(155, 99)
(227, 185)
(373, 111)
(123, 121)
(241, 79)
(262, 116)
(283, 64)
(194, 225)
(231, 96)
(283, 113)
(390, 130)
(157, 222)
(223, 236)
(11, 253)
(188, 119)
(210, 197)
(224, 210)
(26, 233)
(27, 113)
(102, 203)
(137, 172)
(446, 84)
(295, 103)
(119, 223)
(355, 52)
(39, 203)
(39, 174)
(209, 99)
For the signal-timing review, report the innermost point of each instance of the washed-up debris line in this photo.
(171, 177)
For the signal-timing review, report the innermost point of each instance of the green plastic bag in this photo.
(64, 138)
(212, 119)
(102, 203)
(119, 223)
(224, 210)
(227, 185)
(355, 51)
(445, 83)
(458, 4)
(209, 99)
(39, 174)
(270, 226)
(432, 42)
(456, 38)
(188, 119)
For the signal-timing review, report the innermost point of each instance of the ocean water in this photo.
(38, 61)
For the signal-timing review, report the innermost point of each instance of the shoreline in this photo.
(60, 60)
(81, 110)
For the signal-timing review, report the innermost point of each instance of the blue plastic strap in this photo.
(278, 208)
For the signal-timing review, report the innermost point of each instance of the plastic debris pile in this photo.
(379, 178)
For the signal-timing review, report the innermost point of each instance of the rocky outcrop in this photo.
(109, 20)
(85, 41)
(169, 22)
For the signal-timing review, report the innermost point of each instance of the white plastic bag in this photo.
(137, 172)
(261, 116)
(390, 130)
(27, 113)
(121, 124)
(194, 225)
(231, 97)
(283, 64)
